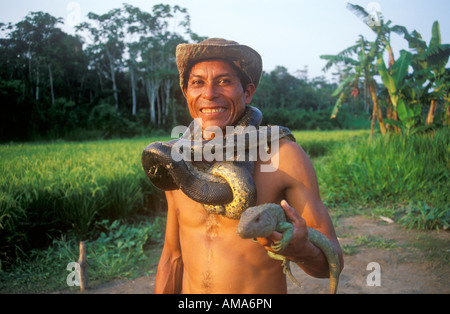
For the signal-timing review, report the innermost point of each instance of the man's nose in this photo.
(209, 91)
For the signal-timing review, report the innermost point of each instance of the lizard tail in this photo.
(319, 240)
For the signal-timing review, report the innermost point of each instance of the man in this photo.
(202, 252)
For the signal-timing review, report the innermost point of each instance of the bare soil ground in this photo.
(410, 261)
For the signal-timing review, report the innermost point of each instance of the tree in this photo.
(430, 72)
(107, 47)
(406, 94)
(51, 84)
(37, 68)
(362, 67)
(154, 50)
(383, 30)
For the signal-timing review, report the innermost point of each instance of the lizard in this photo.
(262, 220)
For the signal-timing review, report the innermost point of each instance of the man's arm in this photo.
(304, 208)
(169, 276)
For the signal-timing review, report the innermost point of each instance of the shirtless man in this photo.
(202, 252)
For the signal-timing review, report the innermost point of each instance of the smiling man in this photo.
(202, 252)
(215, 94)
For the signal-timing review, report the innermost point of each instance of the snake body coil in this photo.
(227, 187)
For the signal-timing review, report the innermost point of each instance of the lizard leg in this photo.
(286, 229)
(286, 267)
(276, 256)
(287, 270)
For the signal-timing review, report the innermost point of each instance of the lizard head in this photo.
(256, 222)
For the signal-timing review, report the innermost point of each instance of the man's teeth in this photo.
(205, 110)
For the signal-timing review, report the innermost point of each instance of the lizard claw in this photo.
(277, 246)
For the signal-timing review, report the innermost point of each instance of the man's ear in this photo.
(249, 92)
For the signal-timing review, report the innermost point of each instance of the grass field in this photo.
(403, 174)
(62, 187)
(98, 191)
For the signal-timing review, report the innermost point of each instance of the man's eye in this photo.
(224, 81)
(197, 82)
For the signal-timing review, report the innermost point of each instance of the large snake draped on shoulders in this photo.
(225, 187)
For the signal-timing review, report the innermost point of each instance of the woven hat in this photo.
(243, 57)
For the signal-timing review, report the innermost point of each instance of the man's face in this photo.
(214, 93)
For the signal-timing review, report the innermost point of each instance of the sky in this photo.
(289, 33)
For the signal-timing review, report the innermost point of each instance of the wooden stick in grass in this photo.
(83, 267)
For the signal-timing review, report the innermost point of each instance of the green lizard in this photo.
(262, 220)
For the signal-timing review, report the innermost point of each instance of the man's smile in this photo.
(212, 110)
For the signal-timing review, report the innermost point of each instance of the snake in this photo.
(226, 187)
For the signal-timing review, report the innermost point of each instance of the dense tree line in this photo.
(117, 77)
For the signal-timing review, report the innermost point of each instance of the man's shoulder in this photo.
(292, 157)
(290, 148)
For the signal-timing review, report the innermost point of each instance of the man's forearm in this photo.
(312, 261)
(169, 276)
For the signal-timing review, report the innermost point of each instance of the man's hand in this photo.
(299, 236)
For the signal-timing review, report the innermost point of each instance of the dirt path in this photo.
(410, 262)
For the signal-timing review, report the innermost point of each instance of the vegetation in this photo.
(394, 171)
(118, 80)
(405, 95)
(120, 251)
(414, 98)
(60, 187)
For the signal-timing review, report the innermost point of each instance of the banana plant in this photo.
(394, 81)
(360, 68)
(382, 29)
(429, 65)
(350, 79)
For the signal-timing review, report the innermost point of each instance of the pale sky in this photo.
(290, 33)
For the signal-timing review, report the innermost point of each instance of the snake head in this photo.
(157, 163)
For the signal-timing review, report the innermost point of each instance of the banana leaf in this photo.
(388, 81)
(400, 68)
(341, 86)
(394, 81)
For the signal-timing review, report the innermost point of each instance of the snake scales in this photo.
(225, 188)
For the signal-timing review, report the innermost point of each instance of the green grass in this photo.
(319, 143)
(368, 241)
(46, 189)
(410, 174)
(120, 251)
